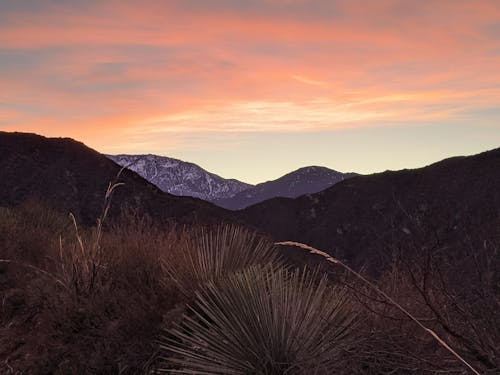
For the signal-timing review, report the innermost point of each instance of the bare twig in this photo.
(333, 260)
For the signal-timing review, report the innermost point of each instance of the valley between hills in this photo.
(162, 266)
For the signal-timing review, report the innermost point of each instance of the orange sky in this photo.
(253, 89)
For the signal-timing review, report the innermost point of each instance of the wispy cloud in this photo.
(261, 116)
(108, 70)
(308, 81)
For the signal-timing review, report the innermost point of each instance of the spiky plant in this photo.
(263, 321)
(206, 254)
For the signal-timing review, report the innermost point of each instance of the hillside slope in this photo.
(71, 177)
(364, 218)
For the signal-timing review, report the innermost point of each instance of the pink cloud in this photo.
(114, 66)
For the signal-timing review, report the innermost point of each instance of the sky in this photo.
(254, 89)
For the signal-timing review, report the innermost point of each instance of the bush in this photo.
(202, 255)
(263, 321)
(71, 304)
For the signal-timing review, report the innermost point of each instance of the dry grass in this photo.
(95, 300)
(331, 259)
(80, 300)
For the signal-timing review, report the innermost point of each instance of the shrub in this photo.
(263, 321)
(27, 231)
(203, 255)
(72, 304)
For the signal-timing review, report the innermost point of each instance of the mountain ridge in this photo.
(305, 180)
(72, 177)
(455, 196)
(179, 177)
(183, 178)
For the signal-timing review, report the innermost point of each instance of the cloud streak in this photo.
(308, 81)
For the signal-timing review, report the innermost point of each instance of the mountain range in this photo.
(181, 178)
(366, 218)
(362, 218)
(71, 177)
(427, 237)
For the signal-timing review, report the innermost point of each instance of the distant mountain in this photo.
(180, 178)
(71, 177)
(187, 179)
(366, 218)
(305, 180)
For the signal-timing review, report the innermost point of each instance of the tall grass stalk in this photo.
(333, 260)
(80, 267)
(83, 267)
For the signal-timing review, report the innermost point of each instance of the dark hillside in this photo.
(97, 302)
(71, 177)
(451, 200)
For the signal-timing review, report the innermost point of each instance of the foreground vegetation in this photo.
(129, 297)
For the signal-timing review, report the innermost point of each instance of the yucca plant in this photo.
(263, 321)
(206, 254)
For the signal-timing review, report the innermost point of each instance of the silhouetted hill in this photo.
(71, 177)
(362, 218)
(367, 217)
(305, 180)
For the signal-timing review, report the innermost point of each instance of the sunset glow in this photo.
(254, 89)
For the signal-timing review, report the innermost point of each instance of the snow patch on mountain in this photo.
(180, 178)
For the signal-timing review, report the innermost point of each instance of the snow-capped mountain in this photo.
(187, 179)
(180, 178)
(305, 180)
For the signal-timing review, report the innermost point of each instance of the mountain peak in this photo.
(180, 178)
(305, 180)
